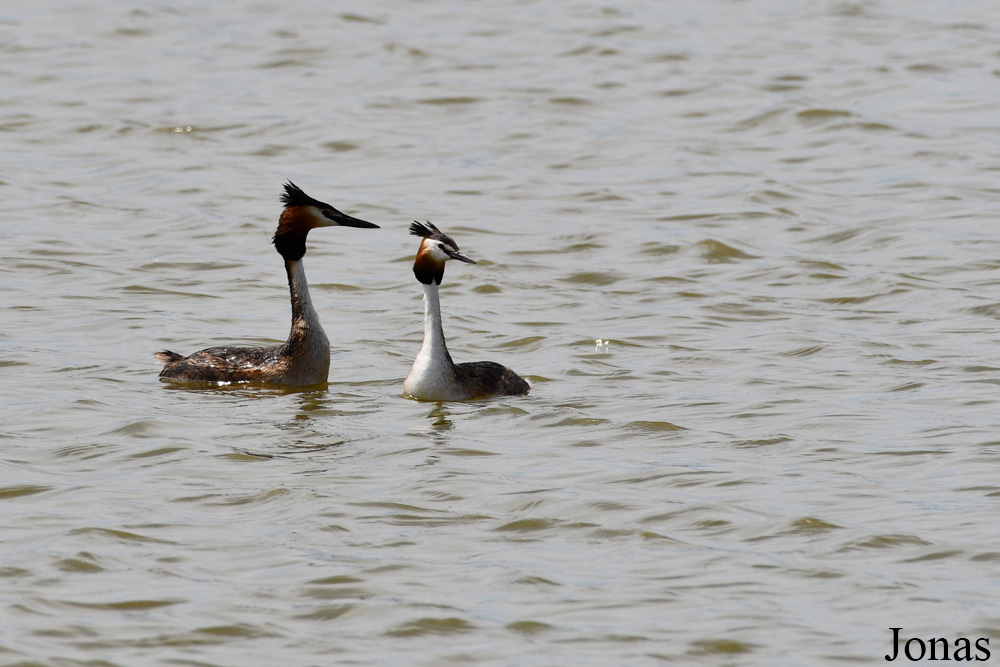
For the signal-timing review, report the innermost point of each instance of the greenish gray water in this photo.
(746, 253)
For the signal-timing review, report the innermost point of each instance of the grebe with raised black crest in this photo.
(303, 359)
(434, 376)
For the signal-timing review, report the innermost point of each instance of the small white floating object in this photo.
(601, 345)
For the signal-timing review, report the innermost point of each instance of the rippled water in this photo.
(746, 253)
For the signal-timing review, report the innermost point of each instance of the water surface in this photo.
(746, 253)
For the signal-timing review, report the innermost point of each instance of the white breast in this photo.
(432, 378)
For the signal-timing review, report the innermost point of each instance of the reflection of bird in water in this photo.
(441, 417)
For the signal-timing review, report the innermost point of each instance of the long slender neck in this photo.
(306, 353)
(304, 316)
(434, 344)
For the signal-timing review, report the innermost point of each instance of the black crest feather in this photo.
(424, 229)
(294, 196)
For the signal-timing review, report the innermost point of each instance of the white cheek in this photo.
(318, 219)
(437, 254)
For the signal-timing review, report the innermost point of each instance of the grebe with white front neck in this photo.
(434, 376)
(303, 359)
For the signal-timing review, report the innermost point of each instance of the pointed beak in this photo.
(344, 220)
(460, 256)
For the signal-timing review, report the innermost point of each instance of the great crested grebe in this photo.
(434, 376)
(304, 359)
